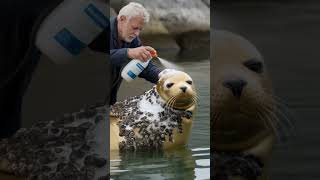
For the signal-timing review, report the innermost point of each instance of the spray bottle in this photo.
(70, 27)
(135, 67)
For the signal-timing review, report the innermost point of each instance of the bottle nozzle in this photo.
(153, 53)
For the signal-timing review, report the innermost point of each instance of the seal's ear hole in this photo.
(254, 65)
(189, 82)
(169, 85)
(160, 80)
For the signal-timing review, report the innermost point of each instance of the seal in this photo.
(160, 118)
(68, 147)
(243, 114)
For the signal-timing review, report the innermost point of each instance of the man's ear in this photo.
(122, 18)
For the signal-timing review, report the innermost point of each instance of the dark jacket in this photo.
(119, 58)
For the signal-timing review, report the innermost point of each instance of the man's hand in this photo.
(142, 53)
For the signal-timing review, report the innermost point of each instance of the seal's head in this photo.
(241, 95)
(176, 88)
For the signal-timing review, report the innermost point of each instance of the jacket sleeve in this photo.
(119, 57)
(151, 73)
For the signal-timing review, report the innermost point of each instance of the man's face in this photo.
(130, 28)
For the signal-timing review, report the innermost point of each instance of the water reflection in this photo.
(183, 163)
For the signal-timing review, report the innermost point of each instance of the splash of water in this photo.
(169, 65)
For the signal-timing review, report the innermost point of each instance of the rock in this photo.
(194, 40)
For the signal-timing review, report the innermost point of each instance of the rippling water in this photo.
(182, 163)
(191, 162)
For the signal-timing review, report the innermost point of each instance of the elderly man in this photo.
(125, 44)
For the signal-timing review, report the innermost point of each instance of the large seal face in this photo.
(176, 88)
(241, 102)
(161, 118)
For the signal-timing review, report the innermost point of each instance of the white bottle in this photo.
(135, 67)
(70, 27)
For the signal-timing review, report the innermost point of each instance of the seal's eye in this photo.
(254, 65)
(169, 85)
(189, 82)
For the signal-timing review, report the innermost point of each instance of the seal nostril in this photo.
(236, 86)
(183, 88)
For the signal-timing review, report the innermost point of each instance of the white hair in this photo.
(134, 9)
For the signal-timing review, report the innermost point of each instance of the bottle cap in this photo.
(153, 53)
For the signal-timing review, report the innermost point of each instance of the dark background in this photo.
(56, 89)
(287, 33)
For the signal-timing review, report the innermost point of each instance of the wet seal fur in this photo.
(161, 118)
(68, 147)
(244, 119)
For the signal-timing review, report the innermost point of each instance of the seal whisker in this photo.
(278, 131)
(215, 118)
(282, 110)
(277, 99)
(286, 126)
(195, 95)
(261, 116)
(283, 105)
(285, 111)
(289, 126)
(194, 100)
(169, 101)
(173, 101)
(282, 127)
(266, 117)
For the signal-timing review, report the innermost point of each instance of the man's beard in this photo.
(129, 39)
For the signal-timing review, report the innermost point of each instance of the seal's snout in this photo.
(183, 88)
(236, 86)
